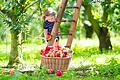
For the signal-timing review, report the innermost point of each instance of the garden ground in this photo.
(88, 63)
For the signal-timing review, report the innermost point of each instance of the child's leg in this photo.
(45, 32)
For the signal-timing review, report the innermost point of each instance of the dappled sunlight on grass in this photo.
(3, 63)
(81, 43)
(86, 42)
(86, 56)
(92, 56)
(86, 52)
(115, 41)
(30, 47)
(77, 62)
(93, 60)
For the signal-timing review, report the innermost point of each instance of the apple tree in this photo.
(17, 16)
(98, 15)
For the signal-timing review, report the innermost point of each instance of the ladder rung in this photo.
(73, 7)
(68, 21)
(66, 34)
(100, 1)
(67, 46)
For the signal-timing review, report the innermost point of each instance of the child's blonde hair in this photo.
(49, 12)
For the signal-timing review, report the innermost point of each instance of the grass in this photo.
(86, 54)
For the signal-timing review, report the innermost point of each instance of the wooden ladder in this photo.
(73, 24)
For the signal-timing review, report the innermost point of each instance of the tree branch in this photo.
(105, 11)
(94, 22)
(3, 11)
(30, 5)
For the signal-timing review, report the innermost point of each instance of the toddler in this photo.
(49, 20)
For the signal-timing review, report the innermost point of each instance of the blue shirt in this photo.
(49, 26)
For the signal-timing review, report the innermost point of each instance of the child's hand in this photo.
(48, 37)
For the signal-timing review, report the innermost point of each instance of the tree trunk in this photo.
(104, 39)
(102, 32)
(14, 59)
(89, 31)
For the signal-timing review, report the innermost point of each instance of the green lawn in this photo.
(97, 65)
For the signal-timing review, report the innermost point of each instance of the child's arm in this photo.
(47, 35)
(45, 28)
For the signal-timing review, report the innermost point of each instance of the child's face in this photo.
(50, 18)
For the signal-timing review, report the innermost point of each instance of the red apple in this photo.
(44, 53)
(50, 70)
(57, 54)
(41, 51)
(63, 55)
(58, 47)
(59, 73)
(65, 51)
(48, 48)
(47, 55)
(11, 71)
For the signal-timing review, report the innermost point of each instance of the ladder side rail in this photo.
(58, 20)
(73, 24)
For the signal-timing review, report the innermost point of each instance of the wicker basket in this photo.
(56, 63)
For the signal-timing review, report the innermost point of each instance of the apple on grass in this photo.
(50, 70)
(59, 73)
(11, 71)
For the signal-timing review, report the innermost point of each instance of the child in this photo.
(49, 20)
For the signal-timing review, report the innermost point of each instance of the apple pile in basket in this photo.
(56, 51)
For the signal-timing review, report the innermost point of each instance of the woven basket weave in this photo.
(56, 63)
